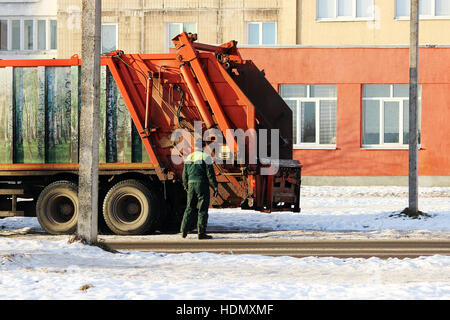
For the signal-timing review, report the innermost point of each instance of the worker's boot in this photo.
(202, 234)
(183, 234)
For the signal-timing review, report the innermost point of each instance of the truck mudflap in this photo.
(279, 191)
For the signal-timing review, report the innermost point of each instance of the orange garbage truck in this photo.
(146, 100)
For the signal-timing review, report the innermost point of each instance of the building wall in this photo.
(142, 24)
(383, 29)
(349, 69)
(27, 9)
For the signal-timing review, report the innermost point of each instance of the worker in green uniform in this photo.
(198, 176)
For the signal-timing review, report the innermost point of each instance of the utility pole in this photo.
(89, 121)
(413, 112)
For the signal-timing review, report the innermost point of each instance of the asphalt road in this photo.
(293, 248)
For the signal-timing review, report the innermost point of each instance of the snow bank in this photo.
(49, 269)
(57, 270)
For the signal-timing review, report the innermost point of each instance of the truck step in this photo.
(13, 212)
(6, 214)
(11, 191)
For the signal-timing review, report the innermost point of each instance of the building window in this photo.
(175, 28)
(109, 37)
(345, 9)
(314, 111)
(3, 34)
(27, 34)
(427, 9)
(15, 35)
(41, 34)
(53, 34)
(262, 33)
(386, 115)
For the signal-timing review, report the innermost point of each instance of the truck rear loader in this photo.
(145, 98)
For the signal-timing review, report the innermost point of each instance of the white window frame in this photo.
(181, 24)
(382, 145)
(22, 34)
(422, 16)
(353, 17)
(260, 26)
(117, 34)
(316, 100)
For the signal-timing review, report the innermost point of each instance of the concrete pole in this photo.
(89, 120)
(413, 112)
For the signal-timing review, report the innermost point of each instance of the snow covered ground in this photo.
(36, 266)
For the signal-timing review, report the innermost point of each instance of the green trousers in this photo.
(197, 194)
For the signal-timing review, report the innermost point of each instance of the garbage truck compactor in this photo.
(151, 105)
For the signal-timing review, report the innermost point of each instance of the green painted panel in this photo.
(137, 145)
(50, 74)
(18, 114)
(124, 143)
(102, 124)
(6, 115)
(145, 156)
(59, 114)
(139, 152)
(39, 118)
(111, 119)
(41, 112)
(118, 124)
(64, 110)
(26, 96)
(75, 115)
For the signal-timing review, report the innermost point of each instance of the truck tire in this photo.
(130, 208)
(57, 208)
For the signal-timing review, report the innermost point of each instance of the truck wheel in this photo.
(57, 208)
(130, 208)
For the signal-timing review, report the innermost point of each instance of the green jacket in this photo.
(197, 169)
